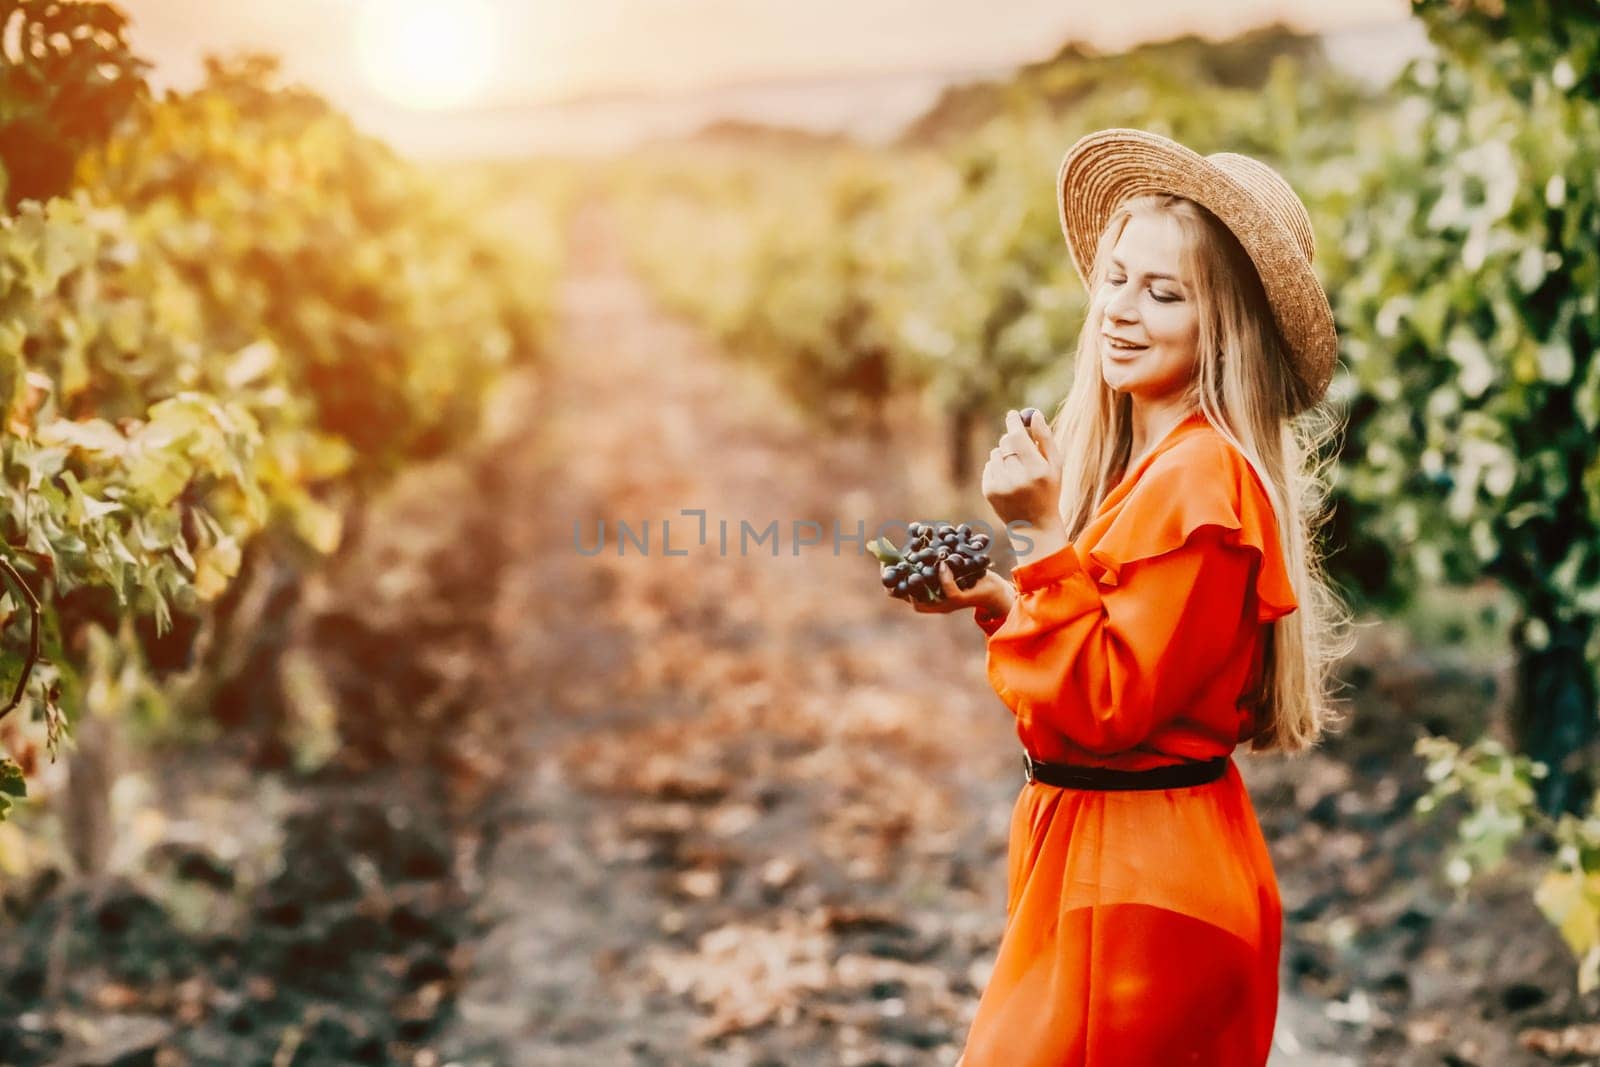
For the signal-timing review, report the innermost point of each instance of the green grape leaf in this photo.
(12, 783)
(885, 551)
(1571, 901)
(89, 435)
(12, 787)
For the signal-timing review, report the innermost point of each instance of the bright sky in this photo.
(424, 56)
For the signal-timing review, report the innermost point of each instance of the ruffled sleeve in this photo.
(1106, 647)
(1203, 481)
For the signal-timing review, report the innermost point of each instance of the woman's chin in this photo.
(1119, 376)
(1138, 388)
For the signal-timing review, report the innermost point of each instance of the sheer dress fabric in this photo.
(1143, 927)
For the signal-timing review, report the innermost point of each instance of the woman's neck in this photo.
(1151, 421)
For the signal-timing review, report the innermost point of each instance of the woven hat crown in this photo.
(1275, 194)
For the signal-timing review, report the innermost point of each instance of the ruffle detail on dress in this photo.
(1201, 482)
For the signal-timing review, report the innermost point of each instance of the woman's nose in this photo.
(1120, 307)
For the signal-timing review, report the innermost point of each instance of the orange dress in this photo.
(1143, 927)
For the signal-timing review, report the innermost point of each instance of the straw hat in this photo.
(1105, 168)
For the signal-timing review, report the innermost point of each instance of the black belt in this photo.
(1068, 776)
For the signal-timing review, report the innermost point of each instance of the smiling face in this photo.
(1147, 300)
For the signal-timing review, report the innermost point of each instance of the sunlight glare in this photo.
(427, 54)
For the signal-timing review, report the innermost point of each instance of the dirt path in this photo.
(755, 791)
(660, 692)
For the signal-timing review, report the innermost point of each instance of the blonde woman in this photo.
(1167, 607)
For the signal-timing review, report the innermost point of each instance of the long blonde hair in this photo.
(1246, 389)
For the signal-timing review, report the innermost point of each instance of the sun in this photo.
(427, 54)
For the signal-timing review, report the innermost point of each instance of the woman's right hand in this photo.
(990, 593)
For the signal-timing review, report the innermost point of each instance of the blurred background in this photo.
(395, 392)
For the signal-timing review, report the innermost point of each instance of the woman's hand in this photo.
(1022, 480)
(990, 593)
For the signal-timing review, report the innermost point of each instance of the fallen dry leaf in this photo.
(1582, 1040)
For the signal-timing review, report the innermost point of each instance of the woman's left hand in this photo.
(1022, 480)
(990, 593)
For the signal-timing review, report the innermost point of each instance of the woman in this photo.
(1167, 606)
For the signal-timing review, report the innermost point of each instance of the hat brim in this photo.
(1103, 169)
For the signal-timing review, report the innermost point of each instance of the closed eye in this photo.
(1164, 298)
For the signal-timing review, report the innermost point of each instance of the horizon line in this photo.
(623, 93)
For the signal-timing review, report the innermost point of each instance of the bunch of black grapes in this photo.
(913, 572)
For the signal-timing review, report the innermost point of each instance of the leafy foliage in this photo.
(243, 321)
(1468, 292)
(1471, 297)
(67, 76)
(1500, 790)
(291, 226)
